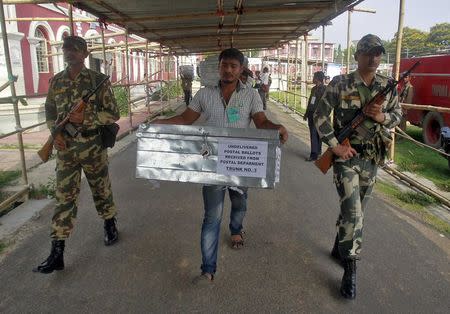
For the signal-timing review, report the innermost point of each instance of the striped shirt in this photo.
(243, 104)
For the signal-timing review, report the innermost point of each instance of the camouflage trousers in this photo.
(354, 181)
(87, 154)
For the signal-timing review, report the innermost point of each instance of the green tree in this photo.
(439, 35)
(338, 54)
(414, 43)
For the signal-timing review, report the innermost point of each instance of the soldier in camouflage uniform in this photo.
(355, 166)
(83, 151)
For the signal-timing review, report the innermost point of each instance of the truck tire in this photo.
(431, 129)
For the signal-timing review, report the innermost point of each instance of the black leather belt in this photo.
(88, 133)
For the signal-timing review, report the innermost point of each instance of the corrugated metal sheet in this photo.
(174, 153)
(192, 26)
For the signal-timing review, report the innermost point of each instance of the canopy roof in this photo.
(197, 26)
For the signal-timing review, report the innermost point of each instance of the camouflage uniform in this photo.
(354, 178)
(83, 151)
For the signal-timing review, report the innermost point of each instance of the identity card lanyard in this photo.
(232, 112)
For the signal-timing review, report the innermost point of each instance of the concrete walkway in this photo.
(284, 267)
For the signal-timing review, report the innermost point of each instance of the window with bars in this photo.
(41, 51)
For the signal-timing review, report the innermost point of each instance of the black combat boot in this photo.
(55, 261)
(348, 285)
(335, 251)
(111, 233)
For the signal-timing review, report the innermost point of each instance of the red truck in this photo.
(431, 81)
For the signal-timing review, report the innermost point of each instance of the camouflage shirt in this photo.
(64, 93)
(342, 98)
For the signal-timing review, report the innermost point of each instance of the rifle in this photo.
(46, 150)
(326, 160)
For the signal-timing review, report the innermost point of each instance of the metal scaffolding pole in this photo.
(286, 96)
(348, 40)
(161, 73)
(105, 69)
(323, 48)
(303, 89)
(127, 61)
(12, 87)
(279, 75)
(398, 49)
(296, 71)
(71, 20)
(147, 65)
(178, 76)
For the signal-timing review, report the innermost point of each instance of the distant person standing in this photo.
(264, 87)
(406, 96)
(247, 77)
(186, 84)
(316, 93)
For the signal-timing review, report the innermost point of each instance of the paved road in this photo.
(284, 267)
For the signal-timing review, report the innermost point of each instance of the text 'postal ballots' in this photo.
(209, 155)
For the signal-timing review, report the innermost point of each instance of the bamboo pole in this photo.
(322, 52)
(286, 96)
(404, 135)
(213, 27)
(128, 77)
(29, 1)
(59, 42)
(349, 18)
(105, 64)
(295, 78)
(212, 13)
(303, 87)
(425, 107)
(177, 76)
(417, 185)
(109, 47)
(401, 14)
(72, 32)
(160, 75)
(13, 93)
(49, 19)
(279, 74)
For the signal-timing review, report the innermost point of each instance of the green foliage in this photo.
(47, 190)
(416, 198)
(422, 161)
(7, 176)
(254, 53)
(283, 97)
(2, 247)
(414, 203)
(440, 35)
(169, 91)
(168, 112)
(339, 55)
(121, 96)
(418, 43)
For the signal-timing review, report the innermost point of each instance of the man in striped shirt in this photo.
(230, 104)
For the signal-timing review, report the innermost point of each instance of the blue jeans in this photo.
(213, 197)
